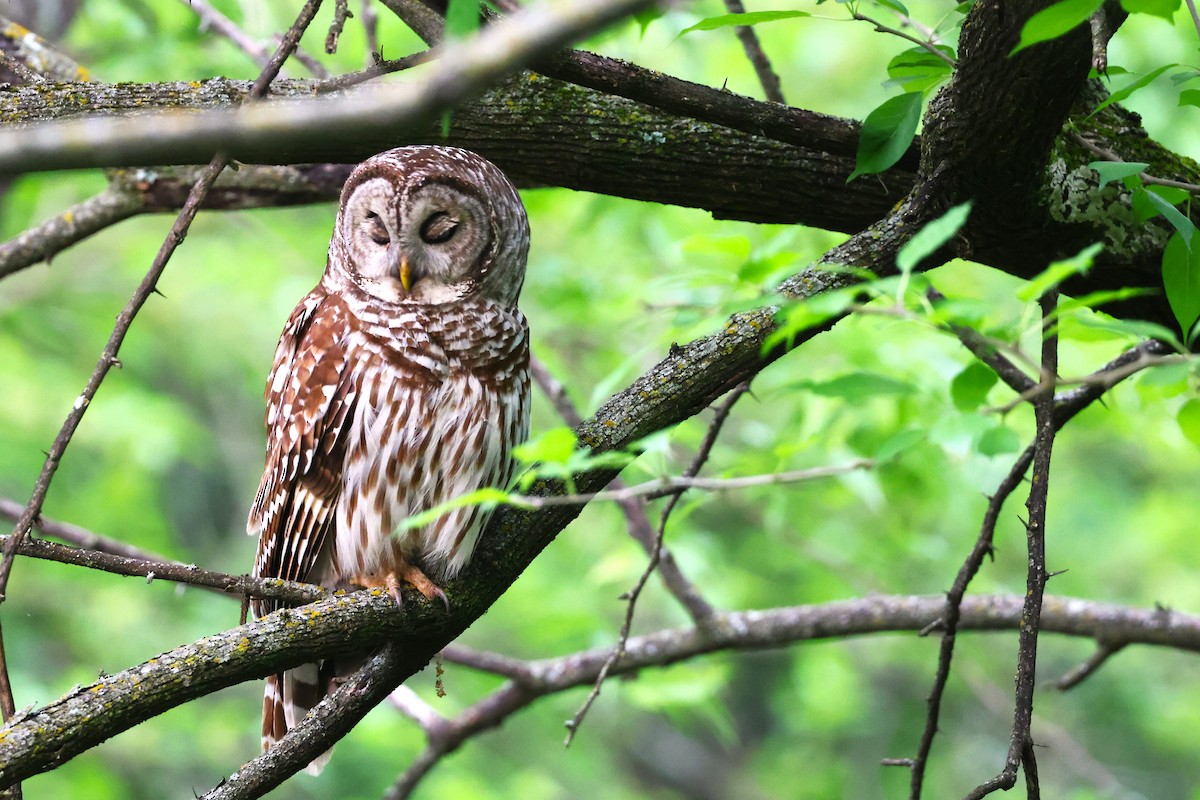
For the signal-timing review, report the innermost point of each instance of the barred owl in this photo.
(400, 382)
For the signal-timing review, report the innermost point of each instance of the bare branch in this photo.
(757, 56)
(466, 67)
(631, 597)
(150, 569)
(1088, 668)
(78, 222)
(333, 718)
(213, 20)
(634, 508)
(806, 623)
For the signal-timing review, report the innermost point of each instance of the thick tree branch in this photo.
(43, 738)
(464, 69)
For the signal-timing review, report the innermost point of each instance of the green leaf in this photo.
(462, 18)
(935, 234)
(894, 5)
(1165, 380)
(1189, 420)
(1189, 97)
(1181, 281)
(1054, 21)
(795, 318)
(1058, 272)
(887, 133)
(918, 70)
(486, 497)
(554, 446)
(1117, 170)
(857, 386)
(999, 441)
(1156, 8)
(742, 20)
(1121, 94)
(1184, 226)
(900, 442)
(1133, 328)
(969, 389)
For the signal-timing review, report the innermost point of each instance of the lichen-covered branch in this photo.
(43, 738)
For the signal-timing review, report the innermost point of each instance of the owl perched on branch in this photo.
(400, 382)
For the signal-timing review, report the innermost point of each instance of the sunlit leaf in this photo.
(887, 133)
(486, 497)
(857, 386)
(1124, 92)
(1184, 226)
(894, 5)
(1058, 272)
(1189, 420)
(918, 70)
(1117, 170)
(1157, 8)
(900, 442)
(931, 237)
(1133, 328)
(462, 18)
(970, 387)
(554, 446)
(1181, 281)
(998, 441)
(1054, 21)
(742, 20)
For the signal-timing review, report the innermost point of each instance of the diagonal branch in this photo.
(40, 739)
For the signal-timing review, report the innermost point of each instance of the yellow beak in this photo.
(405, 274)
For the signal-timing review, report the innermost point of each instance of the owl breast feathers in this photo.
(400, 382)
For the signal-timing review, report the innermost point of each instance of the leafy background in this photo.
(170, 453)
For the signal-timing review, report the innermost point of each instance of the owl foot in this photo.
(393, 582)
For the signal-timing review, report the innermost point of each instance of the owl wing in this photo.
(310, 396)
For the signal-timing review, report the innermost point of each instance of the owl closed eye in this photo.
(429, 244)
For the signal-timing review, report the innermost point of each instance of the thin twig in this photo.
(76, 223)
(370, 23)
(674, 485)
(108, 358)
(634, 508)
(214, 20)
(152, 569)
(758, 57)
(341, 10)
(1067, 405)
(930, 46)
(631, 597)
(1191, 4)
(1088, 668)
(1106, 154)
(987, 350)
(1020, 750)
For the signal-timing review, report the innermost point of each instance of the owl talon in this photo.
(394, 582)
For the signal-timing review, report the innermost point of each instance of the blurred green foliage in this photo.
(170, 453)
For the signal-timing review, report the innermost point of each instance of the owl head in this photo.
(430, 225)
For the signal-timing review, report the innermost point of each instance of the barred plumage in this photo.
(400, 382)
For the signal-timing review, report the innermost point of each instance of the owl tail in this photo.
(287, 697)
